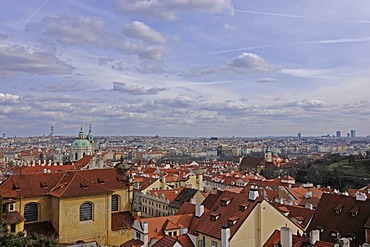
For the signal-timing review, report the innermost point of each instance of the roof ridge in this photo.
(59, 184)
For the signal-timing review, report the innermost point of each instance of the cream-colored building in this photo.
(88, 205)
(239, 219)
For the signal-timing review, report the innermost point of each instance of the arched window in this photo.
(86, 211)
(31, 212)
(115, 203)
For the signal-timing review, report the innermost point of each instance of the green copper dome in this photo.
(81, 143)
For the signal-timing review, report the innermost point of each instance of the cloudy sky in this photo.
(185, 67)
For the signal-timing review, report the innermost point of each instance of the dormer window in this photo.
(335, 233)
(338, 208)
(354, 211)
(16, 186)
(243, 207)
(351, 236)
(225, 201)
(320, 228)
(43, 184)
(83, 185)
(101, 181)
(232, 221)
(214, 216)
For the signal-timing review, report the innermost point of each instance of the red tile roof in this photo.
(212, 228)
(12, 217)
(298, 241)
(121, 220)
(70, 183)
(329, 219)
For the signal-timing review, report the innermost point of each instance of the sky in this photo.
(185, 67)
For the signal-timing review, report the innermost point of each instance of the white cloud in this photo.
(8, 98)
(136, 89)
(17, 59)
(140, 30)
(229, 27)
(308, 73)
(92, 31)
(244, 63)
(70, 30)
(168, 9)
(267, 80)
(250, 62)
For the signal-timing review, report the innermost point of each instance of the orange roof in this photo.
(170, 195)
(64, 184)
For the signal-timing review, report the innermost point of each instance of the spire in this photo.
(89, 136)
(81, 133)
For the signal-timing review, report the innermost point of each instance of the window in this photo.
(86, 211)
(12, 228)
(138, 235)
(213, 243)
(114, 203)
(31, 212)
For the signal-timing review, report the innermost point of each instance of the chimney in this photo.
(314, 236)
(184, 230)
(199, 210)
(361, 196)
(225, 236)
(344, 242)
(164, 182)
(145, 238)
(309, 206)
(193, 201)
(286, 237)
(308, 194)
(200, 182)
(253, 193)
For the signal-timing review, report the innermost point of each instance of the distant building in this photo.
(337, 134)
(353, 133)
(299, 136)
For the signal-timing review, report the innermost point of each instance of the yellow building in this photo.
(88, 205)
(239, 219)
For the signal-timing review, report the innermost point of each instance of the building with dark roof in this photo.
(339, 216)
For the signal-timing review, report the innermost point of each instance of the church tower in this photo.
(82, 145)
(268, 155)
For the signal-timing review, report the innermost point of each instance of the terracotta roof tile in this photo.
(166, 241)
(12, 217)
(40, 228)
(121, 220)
(133, 243)
(212, 227)
(298, 241)
(329, 217)
(98, 181)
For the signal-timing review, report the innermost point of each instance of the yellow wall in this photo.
(259, 226)
(43, 206)
(72, 229)
(64, 215)
(208, 240)
(116, 238)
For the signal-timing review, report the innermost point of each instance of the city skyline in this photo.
(184, 68)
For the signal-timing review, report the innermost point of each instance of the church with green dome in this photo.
(83, 145)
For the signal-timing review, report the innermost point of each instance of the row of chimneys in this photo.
(286, 238)
(28, 163)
